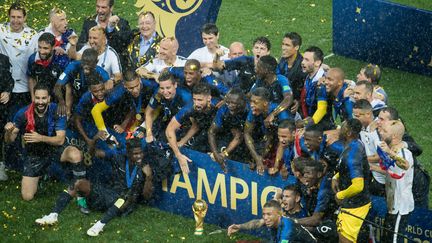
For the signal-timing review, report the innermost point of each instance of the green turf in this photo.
(238, 21)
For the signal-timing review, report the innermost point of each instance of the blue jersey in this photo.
(343, 106)
(74, 74)
(182, 98)
(353, 163)
(227, 121)
(46, 125)
(288, 156)
(245, 65)
(202, 118)
(278, 89)
(258, 120)
(288, 231)
(46, 74)
(295, 74)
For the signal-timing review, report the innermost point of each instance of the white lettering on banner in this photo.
(239, 189)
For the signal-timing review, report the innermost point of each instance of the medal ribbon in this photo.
(130, 177)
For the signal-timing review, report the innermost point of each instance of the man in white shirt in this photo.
(18, 42)
(108, 58)
(210, 37)
(166, 57)
(362, 111)
(399, 180)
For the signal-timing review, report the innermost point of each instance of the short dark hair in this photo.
(368, 85)
(315, 129)
(110, 3)
(394, 114)
(240, 93)
(309, 162)
(273, 204)
(355, 126)
(261, 92)
(195, 62)
(263, 40)
(130, 75)
(47, 38)
(294, 37)
(318, 53)
(166, 75)
(293, 187)
(287, 124)
(210, 29)
(17, 6)
(201, 89)
(89, 56)
(41, 86)
(373, 72)
(269, 63)
(133, 143)
(363, 105)
(94, 78)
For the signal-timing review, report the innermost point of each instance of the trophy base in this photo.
(199, 232)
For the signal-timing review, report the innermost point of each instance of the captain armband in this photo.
(119, 203)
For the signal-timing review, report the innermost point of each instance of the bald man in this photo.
(399, 196)
(335, 87)
(166, 57)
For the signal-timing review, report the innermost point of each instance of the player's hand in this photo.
(272, 171)
(335, 185)
(295, 106)
(62, 109)
(59, 51)
(220, 159)
(9, 127)
(147, 171)
(383, 145)
(338, 201)
(205, 72)
(32, 137)
(269, 120)
(332, 136)
(109, 85)
(234, 228)
(149, 138)
(4, 97)
(73, 40)
(183, 162)
(101, 134)
(118, 128)
(113, 21)
(284, 173)
(260, 168)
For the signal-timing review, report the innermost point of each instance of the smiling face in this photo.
(312, 141)
(97, 39)
(210, 40)
(285, 136)
(17, 20)
(234, 103)
(98, 91)
(135, 155)
(192, 75)
(103, 10)
(45, 50)
(258, 105)
(59, 22)
(133, 87)
(310, 176)
(201, 102)
(288, 48)
(167, 89)
(41, 100)
(146, 25)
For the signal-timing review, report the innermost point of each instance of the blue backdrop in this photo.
(237, 196)
(383, 33)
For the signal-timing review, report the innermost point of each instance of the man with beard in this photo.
(290, 63)
(260, 140)
(351, 183)
(132, 179)
(115, 27)
(364, 90)
(74, 79)
(6, 87)
(170, 99)
(245, 65)
(43, 134)
(190, 75)
(290, 200)
(44, 65)
(313, 99)
(285, 152)
(399, 195)
(336, 86)
(200, 116)
(108, 58)
(144, 42)
(59, 28)
(282, 229)
(226, 129)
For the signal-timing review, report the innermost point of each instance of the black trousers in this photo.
(396, 223)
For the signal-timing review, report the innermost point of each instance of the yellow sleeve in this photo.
(320, 112)
(97, 115)
(357, 185)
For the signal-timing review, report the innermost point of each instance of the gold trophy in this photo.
(199, 209)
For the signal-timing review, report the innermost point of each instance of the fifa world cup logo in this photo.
(168, 12)
(199, 209)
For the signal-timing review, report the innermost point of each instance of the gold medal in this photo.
(138, 117)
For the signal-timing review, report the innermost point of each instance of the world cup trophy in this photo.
(199, 209)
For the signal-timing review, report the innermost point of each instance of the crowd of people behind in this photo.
(116, 107)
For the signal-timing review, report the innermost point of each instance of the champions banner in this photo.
(182, 19)
(384, 33)
(237, 196)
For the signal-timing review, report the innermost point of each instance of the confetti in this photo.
(312, 5)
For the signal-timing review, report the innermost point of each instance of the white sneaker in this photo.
(95, 229)
(3, 175)
(49, 219)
